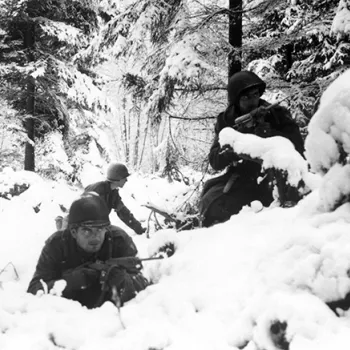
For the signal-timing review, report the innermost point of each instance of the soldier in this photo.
(245, 90)
(84, 255)
(61, 222)
(117, 176)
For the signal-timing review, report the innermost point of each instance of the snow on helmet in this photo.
(117, 172)
(88, 210)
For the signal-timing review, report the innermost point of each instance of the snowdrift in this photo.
(224, 288)
(259, 281)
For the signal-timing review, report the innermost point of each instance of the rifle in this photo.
(131, 265)
(249, 120)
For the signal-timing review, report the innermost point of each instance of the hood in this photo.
(242, 81)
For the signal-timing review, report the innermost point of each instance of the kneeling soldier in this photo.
(108, 190)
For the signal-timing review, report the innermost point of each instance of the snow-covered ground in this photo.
(222, 289)
(225, 286)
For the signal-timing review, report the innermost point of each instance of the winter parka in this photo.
(114, 201)
(61, 253)
(281, 125)
(246, 188)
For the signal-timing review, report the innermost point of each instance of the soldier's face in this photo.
(118, 184)
(249, 100)
(90, 239)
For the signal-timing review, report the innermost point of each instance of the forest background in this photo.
(86, 82)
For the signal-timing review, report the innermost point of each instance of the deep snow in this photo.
(223, 288)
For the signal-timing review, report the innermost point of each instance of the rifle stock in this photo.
(248, 120)
(245, 120)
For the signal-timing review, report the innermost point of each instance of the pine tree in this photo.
(296, 44)
(39, 58)
(171, 59)
(235, 36)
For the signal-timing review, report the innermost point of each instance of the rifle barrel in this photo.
(154, 258)
(277, 103)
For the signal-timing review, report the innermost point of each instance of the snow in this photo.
(183, 63)
(63, 32)
(52, 153)
(328, 139)
(277, 152)
(83, 91)
(225, 286)
(341, 21)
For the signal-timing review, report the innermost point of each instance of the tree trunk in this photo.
(128, 134)
(29, 154)
(289, 55)
(235, 34)
(125, 133)
(144, 144)
(137, 136)
(154, 134)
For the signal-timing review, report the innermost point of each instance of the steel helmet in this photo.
(117, 172)
(241, 81)
(89, 210)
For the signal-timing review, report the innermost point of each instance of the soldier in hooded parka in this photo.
(245, 89)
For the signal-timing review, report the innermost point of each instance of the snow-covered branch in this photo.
(274, 152)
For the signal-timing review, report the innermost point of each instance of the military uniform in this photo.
(217, 206)
(114, 201)
(61, 253)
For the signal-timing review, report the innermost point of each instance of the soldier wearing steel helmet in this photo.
(74, 254)
(108, 190)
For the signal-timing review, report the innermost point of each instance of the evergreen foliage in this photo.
(171, 64)
(165, 64)
(61, 80)
(59, 29)
(298, 41)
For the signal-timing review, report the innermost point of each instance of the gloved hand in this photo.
(227, 152)
(120, 281)
(80, 277)
(259, 113)
(115, 277)
(263, 130)
(130, 264)
(127, 285)
(141, 230)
